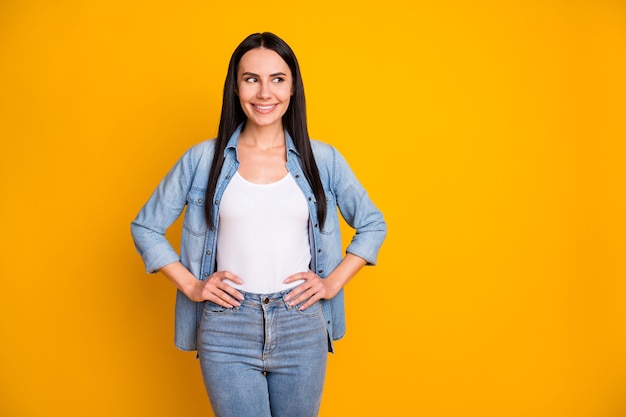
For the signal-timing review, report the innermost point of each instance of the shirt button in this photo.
(266, 301)
(208, 252)
(297, 175)
(199, 200)
(320, 271)
(319, 251)
(217, 202)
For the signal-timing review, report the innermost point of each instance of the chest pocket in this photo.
(195, 217)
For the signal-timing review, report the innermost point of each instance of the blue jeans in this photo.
(264, 358)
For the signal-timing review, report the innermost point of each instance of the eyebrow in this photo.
(256, 75)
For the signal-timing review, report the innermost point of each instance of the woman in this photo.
(261, 270)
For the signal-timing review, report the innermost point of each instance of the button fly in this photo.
(266, 300)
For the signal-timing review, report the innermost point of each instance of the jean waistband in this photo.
(264, 298)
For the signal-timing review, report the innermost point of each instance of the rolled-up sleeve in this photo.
(165, 205)
(359, 212)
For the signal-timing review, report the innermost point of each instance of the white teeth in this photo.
(264, 107)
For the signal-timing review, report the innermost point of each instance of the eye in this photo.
(278, 80)
(250, 80)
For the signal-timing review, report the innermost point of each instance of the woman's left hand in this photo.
(311, 290)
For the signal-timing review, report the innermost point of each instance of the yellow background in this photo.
(492, 134)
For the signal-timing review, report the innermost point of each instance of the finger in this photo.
(227, 301)
(304, 296)
(229, 276)
(295, 292)
(221, 293)
(307, 279)
(316, 292)
(309, 302)
(296, 277)
(229, 290)
(232, 291)
(223, 300)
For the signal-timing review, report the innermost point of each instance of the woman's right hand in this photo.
(216, 290)
(212, 289)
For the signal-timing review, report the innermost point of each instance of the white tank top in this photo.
(263, 234)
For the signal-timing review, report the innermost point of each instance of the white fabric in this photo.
(263, 233)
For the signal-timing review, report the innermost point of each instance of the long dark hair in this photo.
(294, 120)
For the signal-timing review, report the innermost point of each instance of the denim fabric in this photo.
(185, 186)
(264, 358)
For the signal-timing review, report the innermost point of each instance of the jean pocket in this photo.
(312, 311)
(211, 309)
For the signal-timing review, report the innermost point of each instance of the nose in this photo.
(264, 90)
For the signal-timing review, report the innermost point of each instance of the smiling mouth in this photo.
(264, 108)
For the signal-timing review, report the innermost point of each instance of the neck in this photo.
(263, 137)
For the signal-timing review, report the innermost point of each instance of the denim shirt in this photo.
(185, 186)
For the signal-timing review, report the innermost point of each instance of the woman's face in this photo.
(264, 87)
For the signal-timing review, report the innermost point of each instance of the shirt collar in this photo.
(234, 138)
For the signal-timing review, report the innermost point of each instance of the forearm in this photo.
(343, 273)
(180, 276)
(315, 288)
